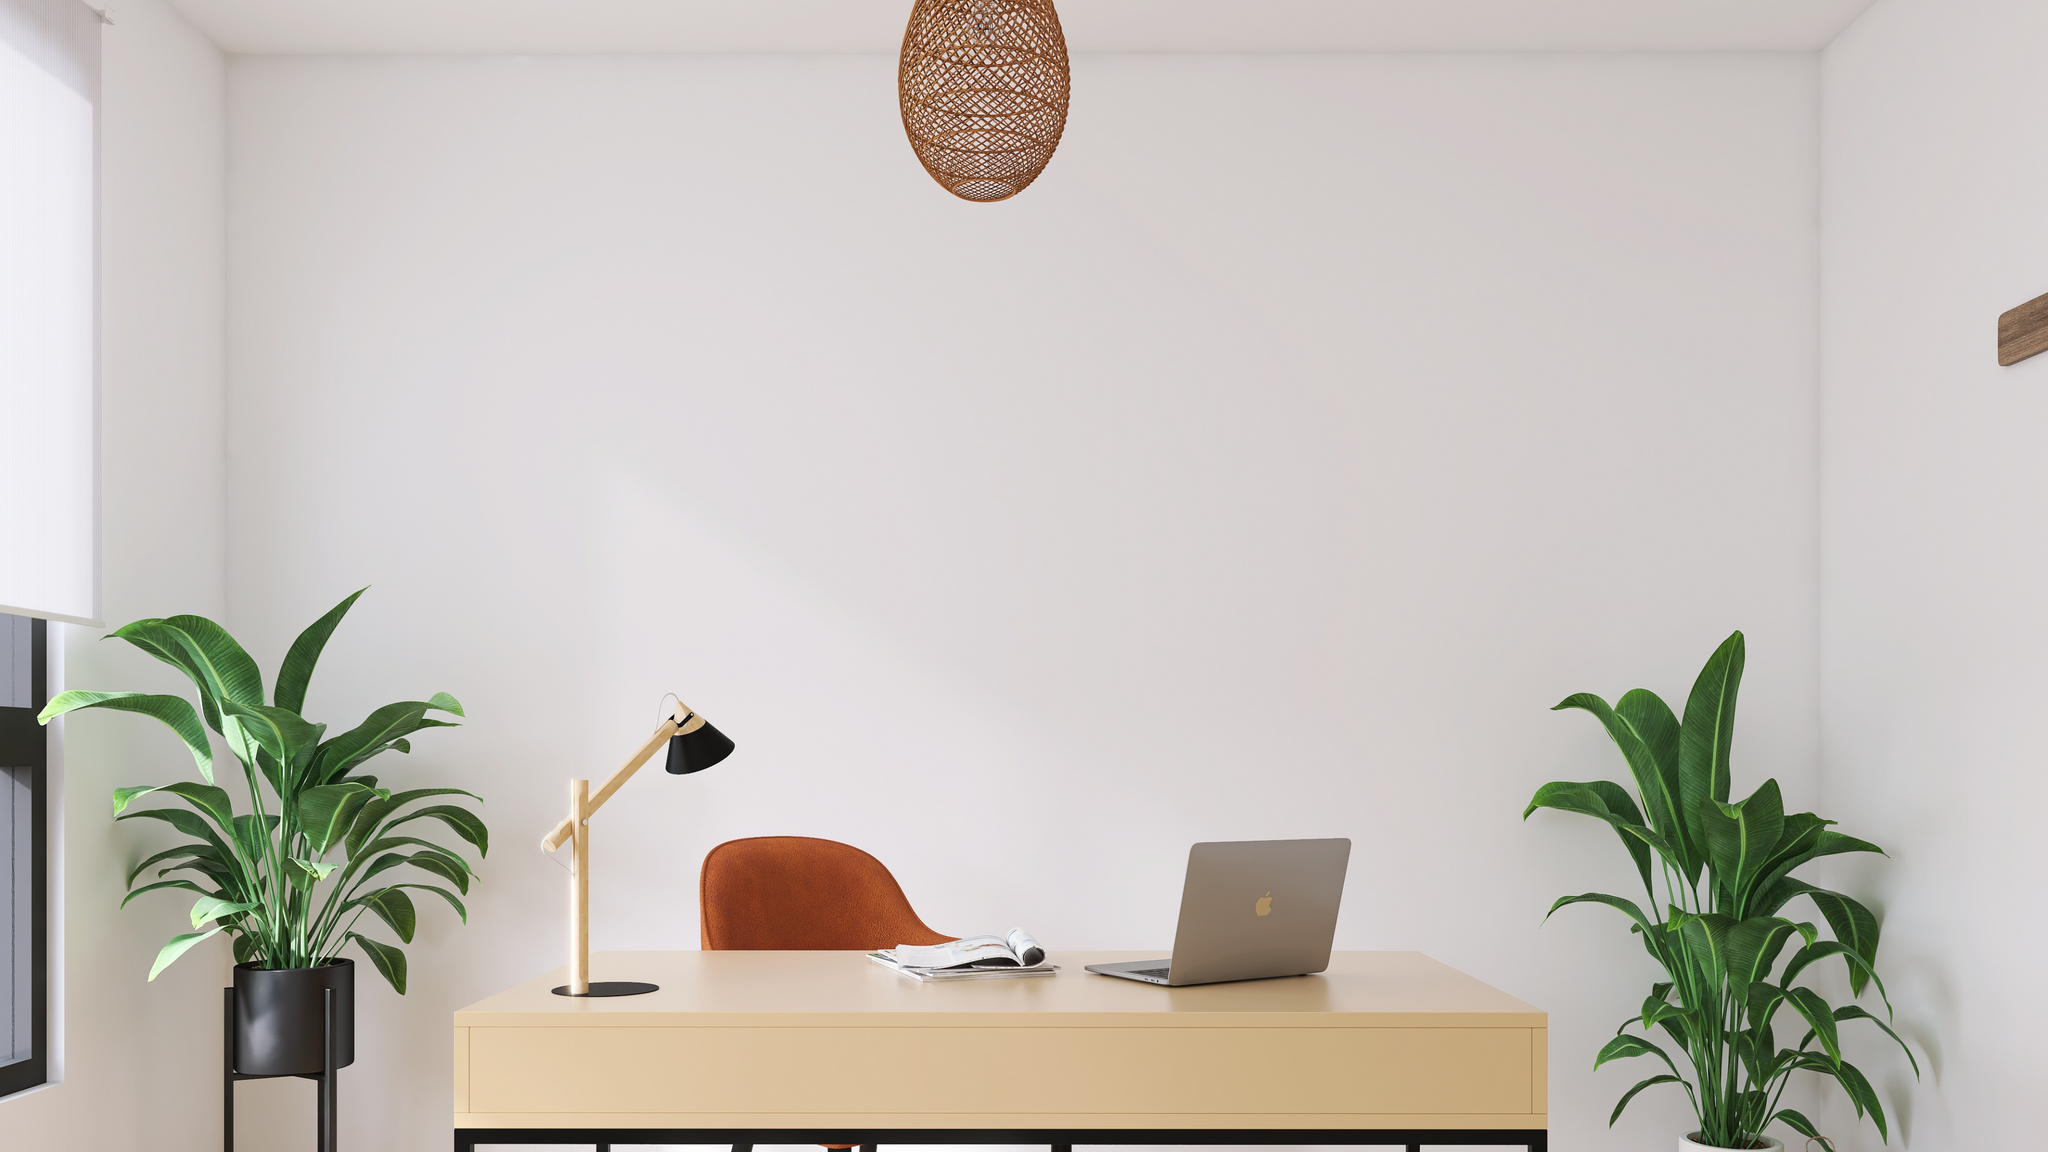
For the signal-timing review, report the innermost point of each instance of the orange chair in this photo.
(802, 893)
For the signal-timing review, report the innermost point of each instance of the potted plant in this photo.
(265, 876)
(1718, 876)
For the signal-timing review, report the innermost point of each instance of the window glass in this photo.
(24, 917)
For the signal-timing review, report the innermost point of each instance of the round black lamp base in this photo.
(612, 988)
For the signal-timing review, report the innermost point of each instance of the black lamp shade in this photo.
(695, 751)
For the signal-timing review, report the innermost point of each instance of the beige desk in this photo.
(789, 1047)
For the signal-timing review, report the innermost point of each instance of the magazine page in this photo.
(981, 951)
(1028, 952)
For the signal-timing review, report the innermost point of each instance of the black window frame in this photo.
(26, 744)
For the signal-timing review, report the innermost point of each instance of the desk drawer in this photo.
(1011, 1071)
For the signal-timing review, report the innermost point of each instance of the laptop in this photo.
(1250, 909)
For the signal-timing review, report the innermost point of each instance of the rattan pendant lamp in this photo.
(984, 87)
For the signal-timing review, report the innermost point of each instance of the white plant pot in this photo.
(1688, 1144)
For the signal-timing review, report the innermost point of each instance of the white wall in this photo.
(1934, 553)
(1268, 469)
(138, 1062)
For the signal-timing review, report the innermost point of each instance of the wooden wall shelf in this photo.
(2023, 332)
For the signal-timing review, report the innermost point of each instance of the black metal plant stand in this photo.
(326, 1077)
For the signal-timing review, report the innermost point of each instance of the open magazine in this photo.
(972, 957)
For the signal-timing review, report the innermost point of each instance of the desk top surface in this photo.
(825, 989)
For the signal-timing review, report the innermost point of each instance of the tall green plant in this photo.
(1724, 873)
(264, 876)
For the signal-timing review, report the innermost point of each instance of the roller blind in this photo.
(49, 343)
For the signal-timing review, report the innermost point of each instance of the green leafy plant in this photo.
(265, 876)
(1724, 871)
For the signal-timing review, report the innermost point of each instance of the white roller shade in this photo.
(49, 387)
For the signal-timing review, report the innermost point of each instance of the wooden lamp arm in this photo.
(684, 720)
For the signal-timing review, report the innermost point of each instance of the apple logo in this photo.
(1265, 905)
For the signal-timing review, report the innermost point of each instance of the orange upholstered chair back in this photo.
(797, 892)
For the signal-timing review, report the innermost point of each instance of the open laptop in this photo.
(1250, 909)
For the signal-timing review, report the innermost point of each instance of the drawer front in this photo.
(1010, 1071)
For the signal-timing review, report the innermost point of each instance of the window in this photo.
(49, 459)
(24, 855)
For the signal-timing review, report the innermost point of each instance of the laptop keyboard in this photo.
(1157, 973)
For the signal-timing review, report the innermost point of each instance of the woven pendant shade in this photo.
(984, 89)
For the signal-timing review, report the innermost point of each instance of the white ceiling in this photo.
(580, 26)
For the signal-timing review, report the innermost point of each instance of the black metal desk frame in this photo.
(326, 1077)
(1061, 1140)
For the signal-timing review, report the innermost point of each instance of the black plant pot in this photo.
(280, 1018)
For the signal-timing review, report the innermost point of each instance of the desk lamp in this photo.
(693, 745)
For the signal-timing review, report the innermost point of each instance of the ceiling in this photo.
(521, 27)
